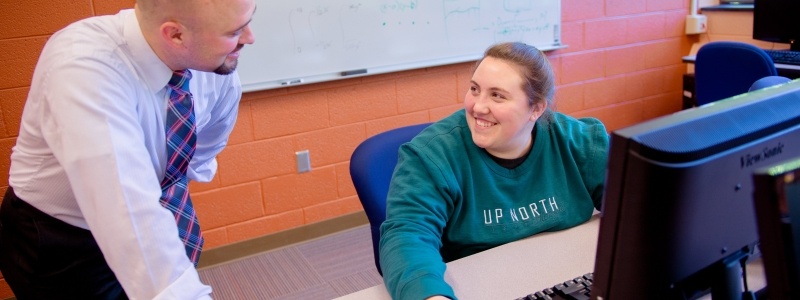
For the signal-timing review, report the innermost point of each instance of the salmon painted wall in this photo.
(623, 66)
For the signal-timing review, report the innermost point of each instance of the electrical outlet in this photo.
(303, 161)
(696, 24)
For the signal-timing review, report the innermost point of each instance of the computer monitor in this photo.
(776, 21)
(777, 202)
(677, 216)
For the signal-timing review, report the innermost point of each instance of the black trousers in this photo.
(42, 257)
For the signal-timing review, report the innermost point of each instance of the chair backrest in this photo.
(371, 168)
(768, 82)
(725, 68)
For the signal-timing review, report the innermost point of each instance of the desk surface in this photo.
(729, 7)
(517, 269)
(691, 59)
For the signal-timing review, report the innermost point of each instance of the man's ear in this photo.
(172, 33)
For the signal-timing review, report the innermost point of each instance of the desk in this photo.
(517, 269)
(792, 70)
(728, 7)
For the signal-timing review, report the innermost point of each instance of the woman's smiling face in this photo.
(498, 110)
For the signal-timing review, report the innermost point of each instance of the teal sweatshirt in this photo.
(448, 199)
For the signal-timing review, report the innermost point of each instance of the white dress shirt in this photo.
(91, 149)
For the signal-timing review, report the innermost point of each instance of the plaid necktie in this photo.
(180, 133)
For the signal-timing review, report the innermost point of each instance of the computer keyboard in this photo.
(786, 57)
(578, 288)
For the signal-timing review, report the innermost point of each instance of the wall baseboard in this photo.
(280, 239)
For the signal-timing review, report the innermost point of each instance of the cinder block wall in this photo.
(623, 66)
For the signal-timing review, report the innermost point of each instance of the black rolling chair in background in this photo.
(724, 69)
(371, 168)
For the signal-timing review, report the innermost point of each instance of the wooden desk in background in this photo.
(792, 71)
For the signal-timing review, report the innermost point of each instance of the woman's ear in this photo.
(538, 110)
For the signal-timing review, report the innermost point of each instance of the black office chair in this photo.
(724, 69)
(371, 168)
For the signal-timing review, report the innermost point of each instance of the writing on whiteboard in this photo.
(322, 27)
(319, 40)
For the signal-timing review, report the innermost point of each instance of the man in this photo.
(97, 206)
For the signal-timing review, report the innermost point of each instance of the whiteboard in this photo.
(308, 41)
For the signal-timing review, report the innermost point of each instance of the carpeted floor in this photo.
(324, 268)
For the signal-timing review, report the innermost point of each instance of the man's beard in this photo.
(226, 69)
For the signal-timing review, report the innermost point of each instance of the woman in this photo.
(504, 168)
